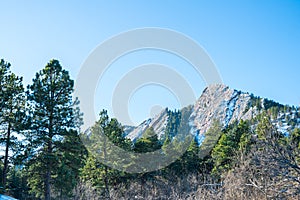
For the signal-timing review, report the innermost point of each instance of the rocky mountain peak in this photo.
(221, 103)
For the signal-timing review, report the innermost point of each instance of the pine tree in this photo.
(105, 135)
(191, 158)
(53, 126)
(71, 155)
(178, 143)
(17, 183)
(266, 131)
(234, 139)
(211, 138)
(92, 172)
(12, 104)
(148, 143)
(294, 138)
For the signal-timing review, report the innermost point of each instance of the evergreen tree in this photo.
(190, 159)
(294, 138)
(148, 143)
(234, 139)
(93, 172)
(179, 144)
(12, 105)
(53, 128)
(265, 129)
(71, 155)
(211, 138)
(104, 135)
(17, 183)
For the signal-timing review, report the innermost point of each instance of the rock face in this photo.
(158, 123)
(221, 103)
(217, 102)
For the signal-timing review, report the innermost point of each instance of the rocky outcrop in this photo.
(158, 123)
(221, 103)
(217, 102)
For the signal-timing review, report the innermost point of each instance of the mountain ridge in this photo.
(227, 105)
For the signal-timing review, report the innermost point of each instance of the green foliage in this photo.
(294, 138)
(111, 129)
(235, 138)
(255, 102)
(172, 125)
(148, 143)
(17, 184)
(267, 105)
(104, 134)
(274, 111)
(177, 130)
(12, 106)
(184, 127)
(211, 137)
(264, 127)
(53, 129)
(190, 159)
(71, 157)
(294, 142)
(177, 139)
(55, 158)
(93, 172)
(270, 103)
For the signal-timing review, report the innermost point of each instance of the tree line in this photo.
(250, 160)
(44, 156)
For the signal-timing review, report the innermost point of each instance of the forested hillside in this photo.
(238, 146)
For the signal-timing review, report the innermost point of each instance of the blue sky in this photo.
(254, 44)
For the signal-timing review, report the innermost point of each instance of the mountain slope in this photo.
(219, 102)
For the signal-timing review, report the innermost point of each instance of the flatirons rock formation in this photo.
(221, 103)
(158, 123)
(217, 102)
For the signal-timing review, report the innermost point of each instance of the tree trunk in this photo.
(49, 150)
(47, 185)
(48, 174)
(5, 167)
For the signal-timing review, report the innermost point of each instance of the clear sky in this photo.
(254, 44)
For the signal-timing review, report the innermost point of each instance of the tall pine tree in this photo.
(12, 104)
(53, 123)
(105, 135)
